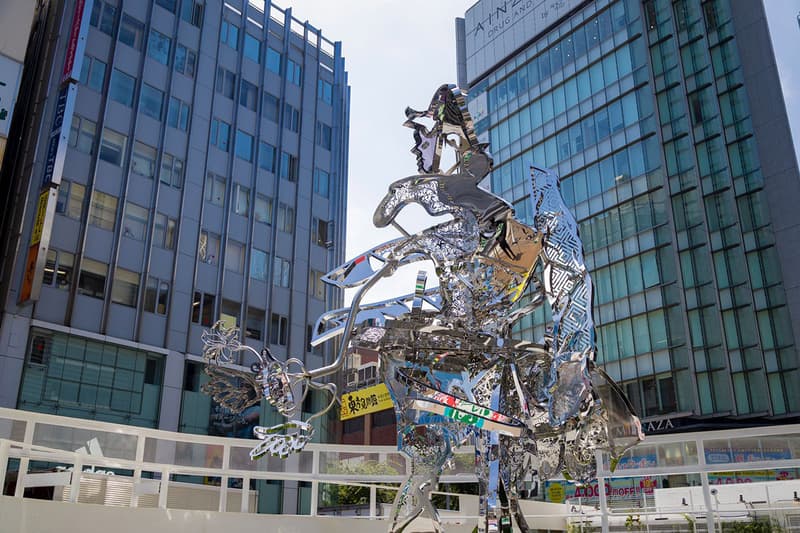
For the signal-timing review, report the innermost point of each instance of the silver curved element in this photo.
(447, 355)
(273, 380)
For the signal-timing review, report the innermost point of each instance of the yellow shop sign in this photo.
(363, 401)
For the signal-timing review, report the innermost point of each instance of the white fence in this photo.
(692, 481)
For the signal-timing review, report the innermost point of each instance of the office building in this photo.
(666, 123)
(204, 178)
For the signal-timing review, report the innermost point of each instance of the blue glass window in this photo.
(274, 61)
(252, 48)
(158, 47)
(244, 145)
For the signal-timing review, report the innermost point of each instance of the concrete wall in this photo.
(35, 516)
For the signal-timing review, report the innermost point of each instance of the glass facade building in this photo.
(652, 113)
(204, 179)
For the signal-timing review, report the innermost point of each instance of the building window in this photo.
(169, 5)
(323, 136)
(244, 145)
(158, 47)
(266, 156)
(203, 308)
(178, 114)
(93, 73)
(81, 134)
(171, 170)
(319, 232)
(273, 61)
(322, 182)
(103, 210)
(281, 272)
(285, 218)
(220, 134)
(131, 32)
(125, 287)
(294, 72)
(226, 82)
(229, 34)
(255, 323)
(165, 231)
(134, 221)
(271, 107)
(185, 61)
(151, 102)
(258, 264)
(252, 48)
(121, 88)
(58, 269)
(92, 279)
(103, 17)
(241, 200)
(234, 256)
(143, 160)
(262, 209)
(215, 189)
(325, 91)
(208, 249)
(192, 12)
(70, 199)
(248, 95)
(291, 118)
(316, 287)
(156, 296)
(229, 313)
(113, 146)
(288, 170)
(278, 326)
(91, 379)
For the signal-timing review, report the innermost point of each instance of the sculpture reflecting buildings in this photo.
(452, 368)
(666, 125)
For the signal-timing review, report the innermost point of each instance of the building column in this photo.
(170, 412)
(13, 342)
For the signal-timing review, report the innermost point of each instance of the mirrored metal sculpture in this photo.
(447, 355)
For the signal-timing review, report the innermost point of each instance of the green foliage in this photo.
(757, 525)
(351, 495)
(440, 500)
(633, 522)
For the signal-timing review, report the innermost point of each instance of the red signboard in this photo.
(77, 36)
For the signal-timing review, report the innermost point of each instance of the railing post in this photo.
(4, 447)
(244, 505)
(701, 462)
(163, 489)
(24, 460)
(601, 492)
(373, 502)
(137, 471)
(223, 482)
(75, 483)
(314, 483)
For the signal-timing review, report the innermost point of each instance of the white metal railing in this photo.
(154, 458)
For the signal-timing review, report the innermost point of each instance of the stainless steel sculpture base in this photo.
(447, 355)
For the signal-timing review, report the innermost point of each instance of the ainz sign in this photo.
(489, 19)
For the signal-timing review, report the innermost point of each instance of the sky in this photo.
(784, 30)
(397, 53)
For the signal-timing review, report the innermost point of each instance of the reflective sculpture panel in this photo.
(454, 370)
